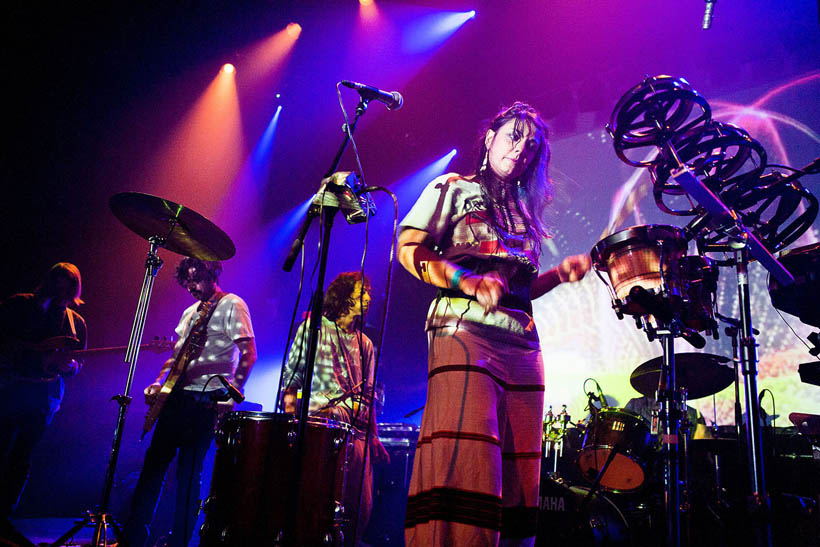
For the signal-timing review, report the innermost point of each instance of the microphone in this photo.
(233, 391)
(693, 337)
(391, 99)
(707, 15)
(602, 396)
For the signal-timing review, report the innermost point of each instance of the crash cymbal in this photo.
(701, 374)
(186, 232)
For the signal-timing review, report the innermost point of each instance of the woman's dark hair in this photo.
(339, 296)
(536, 189)
(64, 270)
(205, 270)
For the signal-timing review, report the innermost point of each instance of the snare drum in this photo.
(615, 428)
(641, 256)
(252, 488)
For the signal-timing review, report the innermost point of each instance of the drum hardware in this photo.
(555, 432)
(800, 298)
(171, 226)
(739, 207)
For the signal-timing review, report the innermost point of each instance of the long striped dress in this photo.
(475, 475)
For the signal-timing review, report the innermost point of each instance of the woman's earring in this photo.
(484, 163)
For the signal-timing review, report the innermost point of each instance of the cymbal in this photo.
(701, 374)
(186, 232)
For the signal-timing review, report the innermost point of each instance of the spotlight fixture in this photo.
(228, 68)
(294, 30)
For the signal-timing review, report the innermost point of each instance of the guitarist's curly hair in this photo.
(338, 298)
(205, 270)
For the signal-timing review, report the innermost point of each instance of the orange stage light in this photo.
(294, 29)
(368, 11)
(203, 154)
(269, 56)
(228, 68)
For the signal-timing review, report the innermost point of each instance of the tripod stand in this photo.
(99, 517)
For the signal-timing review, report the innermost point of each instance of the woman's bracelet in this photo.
(456, 277)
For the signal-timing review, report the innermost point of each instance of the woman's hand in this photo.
(487, 289)
(574, 268)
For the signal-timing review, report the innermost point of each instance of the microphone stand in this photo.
(327, 213)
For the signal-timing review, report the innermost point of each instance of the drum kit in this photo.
(743, 210)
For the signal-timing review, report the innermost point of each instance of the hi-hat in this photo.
(184, 231)
(701, 374)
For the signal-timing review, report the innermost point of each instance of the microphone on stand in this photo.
(603, 400)
(707, 15)
(391, 99)
(233, 391)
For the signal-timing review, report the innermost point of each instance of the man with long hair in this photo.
(185, 426)
(342, 386)
(37, 332)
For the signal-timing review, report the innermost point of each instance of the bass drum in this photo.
(564, 520)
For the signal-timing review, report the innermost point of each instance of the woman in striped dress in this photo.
(477, 238)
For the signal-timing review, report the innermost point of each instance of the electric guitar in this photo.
(190, 350)
(59, 348)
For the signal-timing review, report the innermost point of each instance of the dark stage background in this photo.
(107, 99)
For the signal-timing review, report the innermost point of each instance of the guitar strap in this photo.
(203, 327)
(70, 316)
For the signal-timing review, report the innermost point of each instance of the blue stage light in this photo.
(429, 31)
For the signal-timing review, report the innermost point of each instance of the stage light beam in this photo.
(432, 30)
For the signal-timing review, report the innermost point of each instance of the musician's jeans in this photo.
(184, 429)
(26, 410)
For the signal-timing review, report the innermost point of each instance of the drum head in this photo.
(622, 431)
(646, 234)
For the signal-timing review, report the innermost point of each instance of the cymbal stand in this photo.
(759, 504)
(99, 516)
(668, 434)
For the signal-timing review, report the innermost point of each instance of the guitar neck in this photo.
(110, 349)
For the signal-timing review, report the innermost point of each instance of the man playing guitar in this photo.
(215, 339)
(31, 373)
